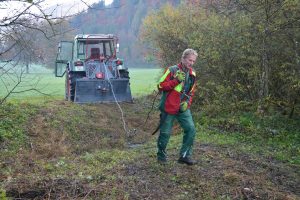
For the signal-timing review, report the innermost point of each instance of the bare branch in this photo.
(31, 89)
(12, 90)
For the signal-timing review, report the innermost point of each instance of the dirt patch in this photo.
(221, 173)
(51, 189)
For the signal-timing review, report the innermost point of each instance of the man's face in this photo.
(189, 61)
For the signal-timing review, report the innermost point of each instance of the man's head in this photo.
(189, 57)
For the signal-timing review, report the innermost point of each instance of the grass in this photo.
(272, 136)
(143, 81)
(14, 118)
(52, 145)
(68, 150)
(269, 136)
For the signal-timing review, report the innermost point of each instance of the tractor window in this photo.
(108, 50)
(65, 51)
(93, 49)
(104, 48)
(80, 50)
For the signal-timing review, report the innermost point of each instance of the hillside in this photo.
(73, 151)
(122, 18)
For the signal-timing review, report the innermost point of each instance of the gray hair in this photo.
(188, 52)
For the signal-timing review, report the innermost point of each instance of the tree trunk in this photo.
(264, 87)
(27, 67)
(264, 82)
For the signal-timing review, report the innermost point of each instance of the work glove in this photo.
(180, 75)
(183, 106)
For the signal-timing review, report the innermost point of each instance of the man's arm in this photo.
(167, 82)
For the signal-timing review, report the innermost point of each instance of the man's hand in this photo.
(180, 75)
(183, 106)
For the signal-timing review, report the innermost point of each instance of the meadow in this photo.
(142, 81)
(49, 145)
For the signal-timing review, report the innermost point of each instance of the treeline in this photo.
(248, 50)
(36, 44)
(122, 18)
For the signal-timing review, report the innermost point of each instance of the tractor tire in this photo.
(67, 86)
(71, 84)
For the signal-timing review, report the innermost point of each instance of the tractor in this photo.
(93, 71)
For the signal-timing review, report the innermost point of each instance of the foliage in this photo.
(161, 30)
(26, 36)
(248, 50)
(270, 135)
(3, 195)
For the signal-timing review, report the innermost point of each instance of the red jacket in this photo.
(174, 91)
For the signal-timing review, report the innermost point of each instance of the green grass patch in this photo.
(143, 81)
(13, 118)
(273, 136)
(40, 87)
(35, 87)
(89, 166)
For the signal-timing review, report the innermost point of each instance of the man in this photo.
(177, 85)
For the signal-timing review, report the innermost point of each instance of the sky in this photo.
(53, 2)
(67, 7)
(74, 2)
(57, 7)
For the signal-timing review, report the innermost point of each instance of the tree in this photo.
(22, 34)
(123, 19)
(248, 49)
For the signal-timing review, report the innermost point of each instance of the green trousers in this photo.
(185, 120)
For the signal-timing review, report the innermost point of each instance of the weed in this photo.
(13, 119)
(274, 135)
(3, 194)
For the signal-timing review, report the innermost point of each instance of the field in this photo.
(57, 149)
(143, 81)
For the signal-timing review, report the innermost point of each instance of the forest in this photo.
(124, 19)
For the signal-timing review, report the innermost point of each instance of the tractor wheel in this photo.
(67, 86)
(72, 86)
(73, 77)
